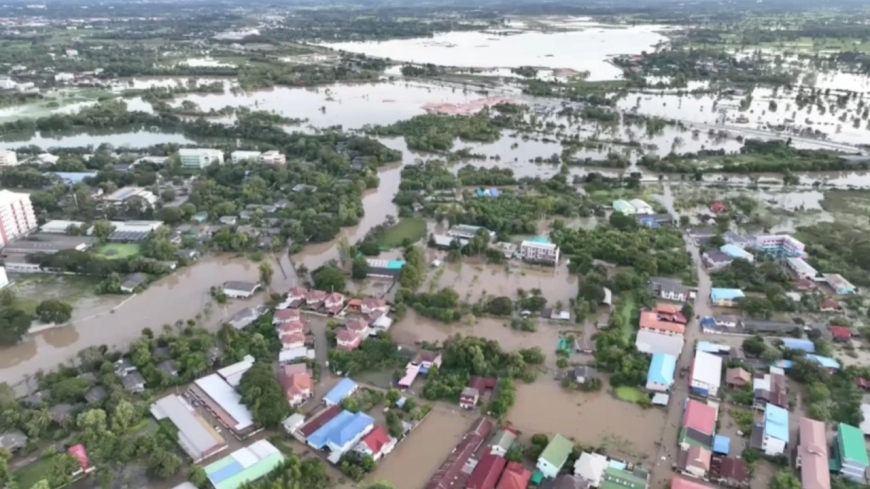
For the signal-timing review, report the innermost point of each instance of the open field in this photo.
(30, 290)
(29, 475)
(409, 228)
(115, 251)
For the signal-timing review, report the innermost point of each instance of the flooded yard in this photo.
(416, 458)
(630, 432)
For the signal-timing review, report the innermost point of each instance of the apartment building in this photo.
(16, 216)
(199, 158)
(240, 156)
(8, 158)
(780, 245)
(539, 250)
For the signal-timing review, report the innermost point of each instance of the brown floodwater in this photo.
(597, 419)
(416, 458)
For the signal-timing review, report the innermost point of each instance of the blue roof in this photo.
(826, 362)
(661, 370)
(340, 391)
(319, 438)
(709, 347)
(539, 239)
(233, 469)
(735, 251)
(776, 422)
(494, 192)
(341, 435)
(784, 364)
(708, 321)
(721, 444)
(799, 344)
(395, 265)
(726, 294)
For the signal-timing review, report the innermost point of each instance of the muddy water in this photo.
(133, 139)
(413, 462)
(180, 296)
(629, 432)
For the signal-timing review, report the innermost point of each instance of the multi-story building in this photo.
(8, 158)
(240, 156)
(16, 216)
(851, 453)
(273, 158)
(772, 436)
(539, 250)
(200, 158)
(780, 245)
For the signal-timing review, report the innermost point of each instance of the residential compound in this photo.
(199, 158)
(16, 216)
(539, 250)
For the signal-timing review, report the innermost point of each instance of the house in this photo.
(840, 333)
(768, 327)
(811, 456)
(721, 445)
(725, 297)
(799, 344)
(453, 472)
(678, 482)
(468, 398)
(342, 390)
(334, 302)
(314, 299)
(718, 207)
(830, 305)
(341, 433)
(564, 481)
(539, 250)
(591, 467)
(228, 220)
(239, 290)
(650, 321)
(96, 395)
(706, 374)
(554, 456)
(772, 435)
(347, 340)
(359, 327)
(716, 260)
(297, 294)
(729, 471)
(850, 453)
(284, 316)
(502, 442)
(515, 476)
(427, 359)
(297, 383)
(624, 207)
(737, 378)
(371, 306)
(641, 207)
(660, 376)
(694, 461)
(133, 382)
(131, 282)
(12, 441)
(465, 231)
(61, 413)
(656, 221)
(292, 341)
(584, 374)
(771, 388)
(487, 472)
(376, 444)
(124, 366)
(80, 454)
(670, 313)
(737, 252)
(668, 289)
(700, 417)
(840, 285)
(168, 368)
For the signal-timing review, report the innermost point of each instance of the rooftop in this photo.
(337, 394)
(661, 369)
(707, 368)
(557, 451)
(813, 451)
(244, 465)
(195, 436)
(851, 441)
(725, 294)
(776, 423)
(700, 417)
(228, 400)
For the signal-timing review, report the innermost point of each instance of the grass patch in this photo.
(116, 251)
(628, 311)
(629, 394)
(29, 475)
(409, 228)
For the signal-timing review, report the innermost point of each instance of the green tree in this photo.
(198, 477)
(266, 272)
(54, 311)
(123, 417)
(42, 484)
(14, 324)
(328, 278)
(754, 345)
(102, 230)
(359, 269)
(264, 396)
(785, 479)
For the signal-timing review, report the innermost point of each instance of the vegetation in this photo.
(409, 230)
(264, 396)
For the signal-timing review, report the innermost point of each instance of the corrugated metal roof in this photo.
(228, 399)
(194, 435)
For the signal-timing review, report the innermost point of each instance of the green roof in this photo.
(537, 477)
(852, 446)
(620, 479)
(684, 438)
(557, 451)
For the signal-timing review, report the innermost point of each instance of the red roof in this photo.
(79, 452)
(487, 472)
(285, 315)
(700, 417)
(376, 440)
(319, 419)
(450, 474)
(291, 327)
(680, 483)
(734, 469)
(862, 383)
(718, 206)
(515, 476)
(357, 325)
(841, 332)
(650, 320)
(483, 383)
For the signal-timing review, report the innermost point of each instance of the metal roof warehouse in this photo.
(196, 437)
(225, 402)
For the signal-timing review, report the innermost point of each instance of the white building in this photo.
(240, 156)
(802, 268)
(706, 374)
(4, 280)
(47, 159)
(240, 290)
(7, 83)
(16, 216)
(273, 158)
(8, 158)
(64, 77)
(539, 251)
(59, 226)
(641, 207)
(124, 194)
(200, 158)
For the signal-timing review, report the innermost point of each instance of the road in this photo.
(748, 131)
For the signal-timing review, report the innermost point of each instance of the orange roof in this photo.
(668, 309)
(515, 476)
(355, 303)
(297, 384)
(650, 320)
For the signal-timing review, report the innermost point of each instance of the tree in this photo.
(264, 396)
(123, 417)
(42, 484)
(754, 346)
(359, 269)
(102, 230)
(54, 311)
(500, 306)
(381, 484)
(785, 479)
(198, 477)
(328, 278)
(688, 311)
(266, 272)
(14, 324)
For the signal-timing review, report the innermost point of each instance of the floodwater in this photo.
(133, 139)
(492, 49)
(350, 106)
(632, 432)
(418, 456)
(180, 296)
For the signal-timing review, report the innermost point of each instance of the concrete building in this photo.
(126, 194)
(224, 403)
(737, 252)
(840, 285)
(240, 156)
(196, 437)
(801, 268)
(16, 216)
(706, 374)
(725, 297)
(779, 245)
(850, 453)
(200, 158)
(48, 244)
(4, 280)
(660, 376)
(641, 207)
(273, 158)
(668, 289)
(240, 290)
(773, 433)
(8, 158)
(554, 456)
(539, 250)
(244, 465)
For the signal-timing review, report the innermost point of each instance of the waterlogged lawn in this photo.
(629, 394)
(410, 228)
